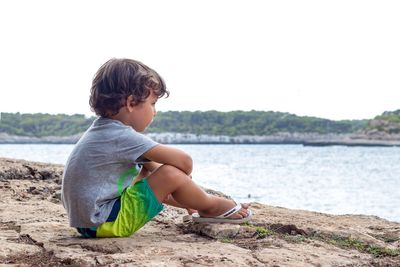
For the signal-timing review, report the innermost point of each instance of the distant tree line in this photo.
(388, 122)
(39, 124)
(393, 116)
(232, 123)
(247, 123)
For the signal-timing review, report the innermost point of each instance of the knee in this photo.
(171, 174)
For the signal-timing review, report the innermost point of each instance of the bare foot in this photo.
(191, 211)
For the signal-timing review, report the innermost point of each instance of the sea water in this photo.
(334, 179)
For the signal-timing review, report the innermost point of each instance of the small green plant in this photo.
(380, 251)
(227, 240)
(351, 243)
(262, 232)
(295, 238)
(246, 224)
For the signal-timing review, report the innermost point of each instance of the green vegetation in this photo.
(43, 124)
(388, 122)
(263, 232)
(338, 241)
(227, 240)
(346, 243)
(236, 123)
(295, 238)
(350, 243)
(393, 116)
(232, 123)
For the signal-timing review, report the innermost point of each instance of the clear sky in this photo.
(330, 59)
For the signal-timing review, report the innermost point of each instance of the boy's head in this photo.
(118, 79)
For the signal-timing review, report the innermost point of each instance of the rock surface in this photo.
(34, 232)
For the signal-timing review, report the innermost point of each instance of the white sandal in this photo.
(223, 218)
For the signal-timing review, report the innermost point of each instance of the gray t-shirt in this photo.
(93, 175)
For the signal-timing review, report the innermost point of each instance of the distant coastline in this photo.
(307, 139)
(214, 127)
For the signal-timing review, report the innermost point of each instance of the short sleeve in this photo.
(132, 145)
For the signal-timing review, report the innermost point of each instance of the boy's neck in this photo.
(120, 116)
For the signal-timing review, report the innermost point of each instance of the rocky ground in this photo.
(34, 232)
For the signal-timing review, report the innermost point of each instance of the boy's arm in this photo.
(172, 156)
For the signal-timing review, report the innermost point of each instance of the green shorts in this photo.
(138, 206)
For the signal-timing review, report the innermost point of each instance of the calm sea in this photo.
(336, 179)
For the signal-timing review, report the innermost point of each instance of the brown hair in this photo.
(119, 78)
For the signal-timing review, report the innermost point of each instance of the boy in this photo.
(116, 178)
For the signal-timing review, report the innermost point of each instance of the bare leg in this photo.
(171, 201)
(170, 180)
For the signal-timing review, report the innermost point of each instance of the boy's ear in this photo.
(130, 103)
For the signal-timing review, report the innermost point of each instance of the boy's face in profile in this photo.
(141, 115)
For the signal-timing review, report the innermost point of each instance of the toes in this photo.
(191, 211)
(245, 205)
(243, 213)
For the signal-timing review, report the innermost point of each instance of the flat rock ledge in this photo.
(34, 232)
